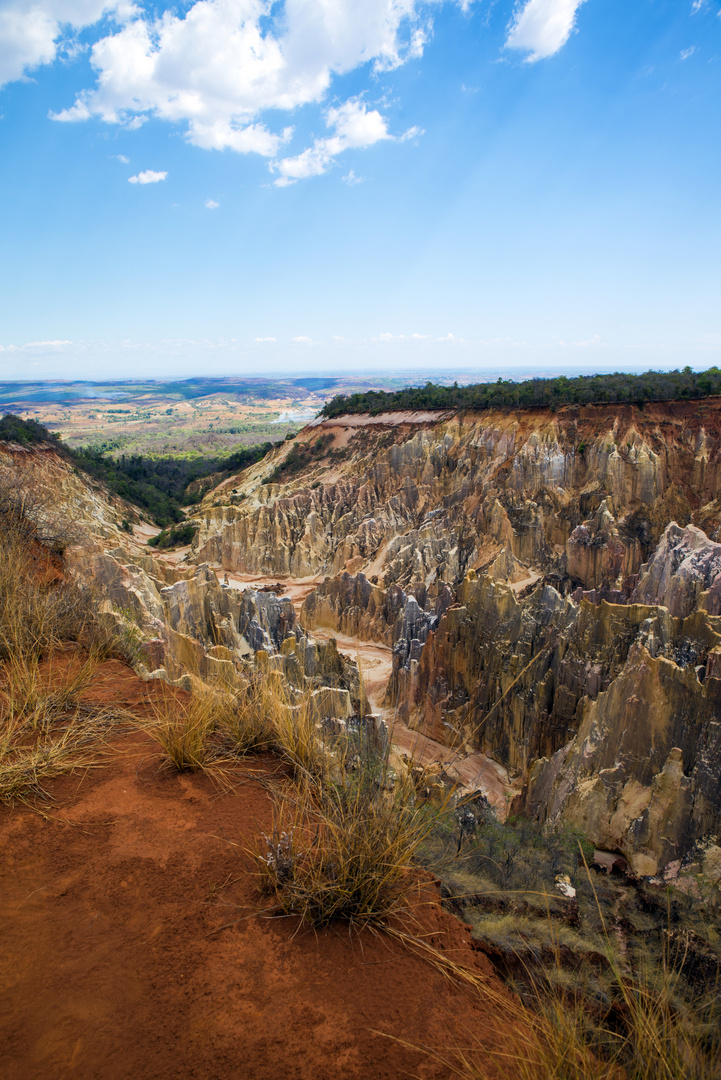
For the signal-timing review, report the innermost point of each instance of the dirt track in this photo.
(111, 966)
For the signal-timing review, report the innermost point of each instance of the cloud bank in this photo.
(223, 63)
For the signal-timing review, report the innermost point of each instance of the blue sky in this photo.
(243, 187)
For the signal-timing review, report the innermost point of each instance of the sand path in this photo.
(471, 771)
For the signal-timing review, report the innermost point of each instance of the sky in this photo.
(248, 187)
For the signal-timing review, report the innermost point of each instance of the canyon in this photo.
(532, 597)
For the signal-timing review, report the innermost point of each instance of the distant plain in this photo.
(190, 418)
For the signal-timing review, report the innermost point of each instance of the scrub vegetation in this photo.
(300, 457)
(51, 639)
(613, 978)
(541, 393)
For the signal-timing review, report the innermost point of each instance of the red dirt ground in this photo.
(110, 968)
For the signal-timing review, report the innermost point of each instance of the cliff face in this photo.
(551, 587)
(173, 622)
(422, 503)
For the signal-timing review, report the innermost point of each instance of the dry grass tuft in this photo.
(26, 765)
(295, 733)
(184, 731)
(342, 845)
(245, 721)
(37, 693)
(45, 730)
(217, 726)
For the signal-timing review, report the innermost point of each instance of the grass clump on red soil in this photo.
(341, 854)
(343, 842)
(218, 726)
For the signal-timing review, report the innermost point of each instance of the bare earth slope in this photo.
(133, 942)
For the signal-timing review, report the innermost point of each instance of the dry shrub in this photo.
(343, 848)
(210, 729)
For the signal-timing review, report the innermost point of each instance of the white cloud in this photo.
(350, 178)
(122, 159)
(697, 5)
(303, 340)
(212, 204)
(33, 32)
(355, 126)
(542, 27)
(148, 176)
(388, 338)
(219, 65)
(685, 53)
(57, 344)
(261, 340)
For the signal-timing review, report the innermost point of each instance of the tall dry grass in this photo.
(643, 1035)
(343, 854)
(44, 728)
(648, 1024)
(217, 726)
(343, 841)
(39, 607)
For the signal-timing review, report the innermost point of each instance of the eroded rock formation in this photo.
(174, 622)
(548, 583)
(584, 493)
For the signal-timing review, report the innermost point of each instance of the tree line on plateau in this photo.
(619, 388)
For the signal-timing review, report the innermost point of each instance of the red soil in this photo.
(45, 566)
(116, 960)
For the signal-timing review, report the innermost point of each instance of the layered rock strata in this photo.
(582, 494)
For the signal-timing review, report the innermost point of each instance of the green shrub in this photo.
(178, 536)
